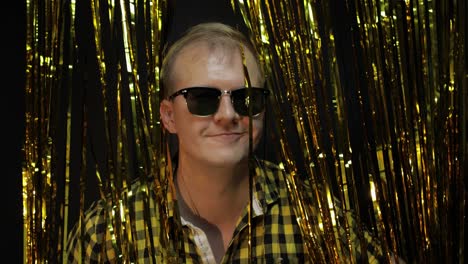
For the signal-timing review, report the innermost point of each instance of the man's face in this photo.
(221, 139)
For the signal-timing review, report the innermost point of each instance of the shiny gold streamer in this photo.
(378, 98)
(47, 56)
(126, 37)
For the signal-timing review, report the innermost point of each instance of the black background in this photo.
(12, 125)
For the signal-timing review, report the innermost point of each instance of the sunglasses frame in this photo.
(186, 91)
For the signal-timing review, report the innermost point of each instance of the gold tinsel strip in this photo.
(378, 104)
(46, 168)
(137, 28)
(127, 130)
(405, 93)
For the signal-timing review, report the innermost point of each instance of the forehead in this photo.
(199, 51)
(204, 55)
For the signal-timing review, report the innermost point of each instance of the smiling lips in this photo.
(227, 136)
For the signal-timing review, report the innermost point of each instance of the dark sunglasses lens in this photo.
(202, 101)
(241, 101)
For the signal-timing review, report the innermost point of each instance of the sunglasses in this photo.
(204, 101)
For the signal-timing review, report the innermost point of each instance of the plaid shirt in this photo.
(276, 235)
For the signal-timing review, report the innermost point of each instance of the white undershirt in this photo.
(201, 239)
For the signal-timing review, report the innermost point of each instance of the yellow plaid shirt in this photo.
(276, 235)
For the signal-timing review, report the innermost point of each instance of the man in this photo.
(210, 99)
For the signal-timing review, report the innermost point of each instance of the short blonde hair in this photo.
(213, 34)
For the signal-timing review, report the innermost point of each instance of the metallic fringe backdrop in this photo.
(376, 92)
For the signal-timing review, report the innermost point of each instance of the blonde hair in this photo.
(214, 34)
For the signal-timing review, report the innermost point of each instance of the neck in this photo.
(217, 194)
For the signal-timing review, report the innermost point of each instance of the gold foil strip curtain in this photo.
(127, 48)
(377, 90)
(46, 150)
(106, 89)
(405, 93)
(289, 58)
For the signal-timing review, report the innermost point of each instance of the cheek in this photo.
(188, 126)
(181, 123)
(257, 128)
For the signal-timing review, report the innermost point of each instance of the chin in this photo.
(227, 159)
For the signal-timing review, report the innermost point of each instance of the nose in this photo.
(226, 112)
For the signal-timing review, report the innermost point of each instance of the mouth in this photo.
(227, 136)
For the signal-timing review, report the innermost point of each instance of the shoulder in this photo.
(265, 164)
(270, 170)
(138, 189)
(94, 218)
(90, 236)
(272, 176)
(276, 174)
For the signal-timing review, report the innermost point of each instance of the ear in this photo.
(166, 112)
